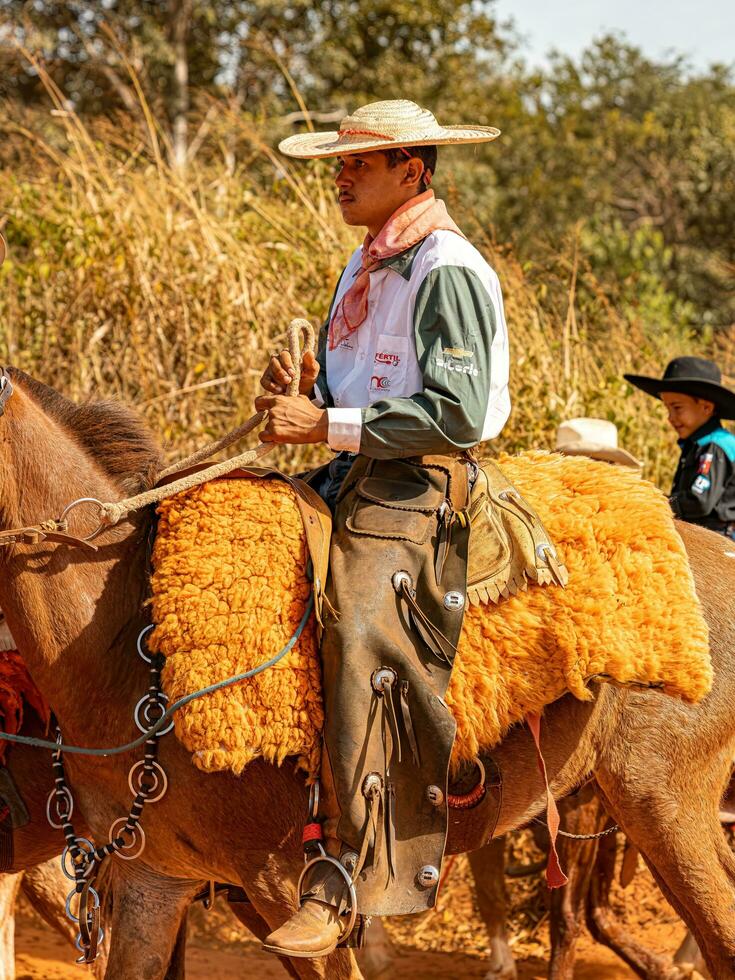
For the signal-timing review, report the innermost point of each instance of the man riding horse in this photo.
(411, 373)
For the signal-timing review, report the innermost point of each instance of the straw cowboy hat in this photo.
(695, 376)
(383, 126)
(596, 438)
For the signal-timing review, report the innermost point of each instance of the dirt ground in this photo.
(449, 942)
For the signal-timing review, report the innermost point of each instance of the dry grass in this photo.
(126, 279)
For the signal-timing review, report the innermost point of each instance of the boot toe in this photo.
(314, 930)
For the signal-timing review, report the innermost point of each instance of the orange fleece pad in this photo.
(229, 589)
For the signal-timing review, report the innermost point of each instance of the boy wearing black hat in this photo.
(704, 483)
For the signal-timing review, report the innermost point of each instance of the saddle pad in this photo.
(229, 590)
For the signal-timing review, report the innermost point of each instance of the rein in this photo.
(168, 714)
(112, 512)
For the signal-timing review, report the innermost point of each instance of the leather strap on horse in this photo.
(555, 877)
(52, 530)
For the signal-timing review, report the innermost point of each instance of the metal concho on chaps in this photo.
(387, 663)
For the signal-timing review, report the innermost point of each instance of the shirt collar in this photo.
(703, 430)
(403, 262)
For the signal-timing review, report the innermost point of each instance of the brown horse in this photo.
(661, 764)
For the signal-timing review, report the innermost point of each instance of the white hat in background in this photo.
(596, 438)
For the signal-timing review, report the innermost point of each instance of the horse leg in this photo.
(377, 955)
(583, 814)
(688, 956)
(245, 912)
(177, 965)
(488, 869)
(605, 928)
(9, 885)
(147, 912)
(46, 887)
(672, 815)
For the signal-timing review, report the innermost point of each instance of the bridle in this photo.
(54, 529)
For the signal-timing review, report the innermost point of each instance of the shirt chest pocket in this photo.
(388, 370)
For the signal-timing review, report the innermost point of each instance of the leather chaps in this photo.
(398, 582)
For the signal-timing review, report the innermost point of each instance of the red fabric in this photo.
(17, 689)
(410, 224)
(555, 877)
(312, 831)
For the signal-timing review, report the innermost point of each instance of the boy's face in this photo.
(686, 413)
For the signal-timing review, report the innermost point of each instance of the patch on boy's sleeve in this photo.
(701, 484)
(705, 463)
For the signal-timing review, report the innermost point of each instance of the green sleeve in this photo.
(454, 324)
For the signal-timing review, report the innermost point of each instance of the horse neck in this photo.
(73, 613)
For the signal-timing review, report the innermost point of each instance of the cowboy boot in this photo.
(318, 926)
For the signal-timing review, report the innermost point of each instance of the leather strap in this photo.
(47, 531)
(555, 877)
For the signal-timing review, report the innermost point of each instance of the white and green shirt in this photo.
(427, 371)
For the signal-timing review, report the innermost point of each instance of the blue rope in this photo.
(43, 743)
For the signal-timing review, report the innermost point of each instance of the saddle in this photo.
(509, 545)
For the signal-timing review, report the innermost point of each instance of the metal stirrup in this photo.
(324, 858)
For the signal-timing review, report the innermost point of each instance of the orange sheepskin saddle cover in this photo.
(229, 589)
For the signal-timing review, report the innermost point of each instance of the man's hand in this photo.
(280, 373)
(292, 420)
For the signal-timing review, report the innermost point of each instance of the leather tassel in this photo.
(514, 497)
(390, 816)
(558, 570)
(327, 605)
(373, 832)
(392, 721)
(430, 635)
(443, 543)
(408, 723)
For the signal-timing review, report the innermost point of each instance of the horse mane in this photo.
(114, 435)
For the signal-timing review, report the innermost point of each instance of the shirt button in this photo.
(361, 356)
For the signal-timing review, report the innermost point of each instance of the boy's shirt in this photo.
(703, 491)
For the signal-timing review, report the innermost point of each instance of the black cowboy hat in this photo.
(695, 376)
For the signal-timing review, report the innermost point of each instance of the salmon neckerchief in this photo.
(410, 224)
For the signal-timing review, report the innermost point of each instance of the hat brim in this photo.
(316, 146)
(606, 454)
(710, 391)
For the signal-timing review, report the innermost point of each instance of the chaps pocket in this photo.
(399, 501)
